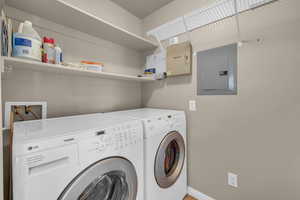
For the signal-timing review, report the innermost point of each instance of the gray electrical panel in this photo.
(217, 71)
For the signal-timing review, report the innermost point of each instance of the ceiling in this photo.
(141, 8)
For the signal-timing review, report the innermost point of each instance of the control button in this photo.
(98, 133)
(151, 127)
(101, 146)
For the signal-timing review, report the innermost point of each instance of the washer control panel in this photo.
(111, 140)
(101, 141)
(126, 135)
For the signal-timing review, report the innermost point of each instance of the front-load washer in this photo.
(165, 152)
(78, 158)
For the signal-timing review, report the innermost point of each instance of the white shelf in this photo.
(17, 63)
(219, 10)
(63, 13)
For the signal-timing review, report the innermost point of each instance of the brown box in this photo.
(179, 59)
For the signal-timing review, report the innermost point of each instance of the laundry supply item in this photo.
(58, 55)
(6, 35)
(94, 66)
(27, 42)
(48, 50)
(73, 65)
(156, 65)
(150, 71)
(27, 29)
(9, 37)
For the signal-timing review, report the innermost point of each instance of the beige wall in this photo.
(68, 94)
(255, 133)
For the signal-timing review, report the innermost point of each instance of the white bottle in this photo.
(58, 55)
(48, 50)
(27, 29)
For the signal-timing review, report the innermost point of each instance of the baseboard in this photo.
(198, 195)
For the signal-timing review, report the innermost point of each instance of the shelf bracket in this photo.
(2, 65)
(188, 32)
(159, 42)
(240, 41)
(237, 20)
(186, 29)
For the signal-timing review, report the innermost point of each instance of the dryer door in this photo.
(169, 159)
(110, 179)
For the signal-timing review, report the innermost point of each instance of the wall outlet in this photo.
(192, 105)
(232, 179)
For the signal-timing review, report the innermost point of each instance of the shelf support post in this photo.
(159, 42)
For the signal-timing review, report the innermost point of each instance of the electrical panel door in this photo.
(179, 59)
(217, 70)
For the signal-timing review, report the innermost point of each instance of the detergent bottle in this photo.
(27, 29)
(27, 42)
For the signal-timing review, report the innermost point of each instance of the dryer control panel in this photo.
(164, 123)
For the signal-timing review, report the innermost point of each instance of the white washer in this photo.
(82, 157)
(165, 152)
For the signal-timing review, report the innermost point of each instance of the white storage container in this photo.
(58, 55)
(93, 66)
(48, 50)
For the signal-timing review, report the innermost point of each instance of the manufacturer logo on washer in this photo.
(30, 148)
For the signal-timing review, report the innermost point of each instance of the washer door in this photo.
(109, 179)
(169, 160)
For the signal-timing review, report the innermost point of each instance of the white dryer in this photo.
(83, 157)
(165, 152)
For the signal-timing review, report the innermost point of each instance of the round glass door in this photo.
(110, 179)
(169, 160)
(112, 185)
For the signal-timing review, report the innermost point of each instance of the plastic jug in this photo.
(27, 29)
(27, 42)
